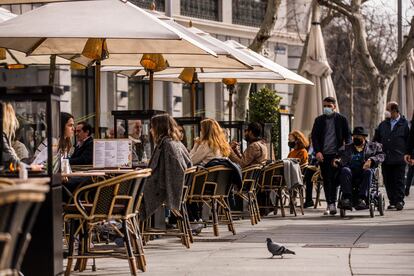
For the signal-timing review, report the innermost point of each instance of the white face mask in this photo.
(387, 114)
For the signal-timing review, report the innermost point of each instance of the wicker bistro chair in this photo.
(271, 181)
(19, 205)
(212, 187)
(183, 230)
(247, 192)
(117, 199)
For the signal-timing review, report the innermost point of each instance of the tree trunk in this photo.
(263, 35)
(379, 101)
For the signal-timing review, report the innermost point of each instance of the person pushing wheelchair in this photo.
(357, 162)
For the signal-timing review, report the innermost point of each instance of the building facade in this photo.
(237, 20)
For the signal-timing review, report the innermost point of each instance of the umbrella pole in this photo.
(97, 98)
(52, 70)
(151, 90)
(193, 103)
(231, 92)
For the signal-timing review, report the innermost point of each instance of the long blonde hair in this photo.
(10, 122)
(214, 136)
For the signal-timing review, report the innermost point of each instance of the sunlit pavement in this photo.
(324, 245)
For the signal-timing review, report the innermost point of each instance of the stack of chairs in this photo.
(116, 199)
(19, 204)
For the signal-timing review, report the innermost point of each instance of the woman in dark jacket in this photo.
(169, 161)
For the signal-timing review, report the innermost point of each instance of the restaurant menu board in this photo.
(112, 153)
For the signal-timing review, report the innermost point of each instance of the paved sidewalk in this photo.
(356, 245)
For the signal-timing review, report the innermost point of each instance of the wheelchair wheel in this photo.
(381, 204)
(372, 209)
(342, 212)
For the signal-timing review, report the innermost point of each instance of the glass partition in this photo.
(30, 135)
(135, 125)
(190, 127)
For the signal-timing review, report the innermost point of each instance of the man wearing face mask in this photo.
(393, 134)
(329, 133)
(357, 162)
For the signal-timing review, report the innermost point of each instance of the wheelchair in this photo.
(376, 199)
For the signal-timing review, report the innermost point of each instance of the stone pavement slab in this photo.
(324, 245)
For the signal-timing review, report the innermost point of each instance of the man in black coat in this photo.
(83, 154)
(393, 134)
(329, 133)
(357, 162)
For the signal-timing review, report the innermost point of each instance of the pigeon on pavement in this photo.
(277, 250)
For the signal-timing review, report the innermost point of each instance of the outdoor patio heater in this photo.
(38, 112)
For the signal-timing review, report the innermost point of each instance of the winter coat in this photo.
(169, 161)
(343, 133)
(372, 151)
(394, 143)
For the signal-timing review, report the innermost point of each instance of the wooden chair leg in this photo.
(138, 244)
(227, 212)
(256, 205)
(282, 207)
(251, 210)
(186, 220)
(215, 216)
(301, 199)
(71, 249)
(128, 247)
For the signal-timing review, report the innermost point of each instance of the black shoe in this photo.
(399, 206)
(346, 204)
(407, 192)
(361, 205)
(308, 204)
(391, 207)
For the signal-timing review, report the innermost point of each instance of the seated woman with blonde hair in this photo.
(211, 144)
(299, 144)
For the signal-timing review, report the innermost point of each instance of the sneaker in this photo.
(308, 204)
(391, 207)
(361, 205)
(332, 209)
(346, 204)
(399, 206)
(326, 212)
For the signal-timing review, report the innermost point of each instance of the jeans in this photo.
(355, 178)
(394, 182)
(329, 174)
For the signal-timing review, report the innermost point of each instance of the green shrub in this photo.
(264, 108)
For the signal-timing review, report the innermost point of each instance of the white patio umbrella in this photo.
(317, 70)
(408, 85)
(11, 59)
(263, 69)
(95, 31)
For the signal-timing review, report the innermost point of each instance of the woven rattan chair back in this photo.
(19, 205)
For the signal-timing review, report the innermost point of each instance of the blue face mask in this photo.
(328, 111)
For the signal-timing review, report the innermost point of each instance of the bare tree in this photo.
(379, 78)
(263, 35)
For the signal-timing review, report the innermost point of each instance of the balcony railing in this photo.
(146, 4)
(249, 12)
(204, 9)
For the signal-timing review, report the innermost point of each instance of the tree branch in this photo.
(337, 6)
(267, 26)
(403, 53)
